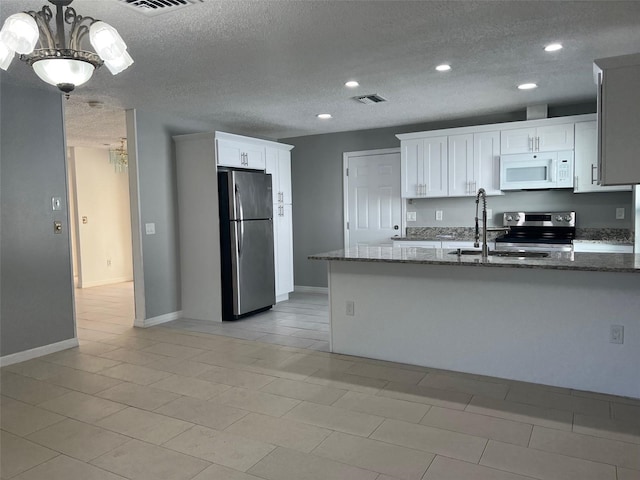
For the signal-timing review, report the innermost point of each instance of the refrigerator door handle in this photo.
(239, 209)
(240, 234)
(240, 222)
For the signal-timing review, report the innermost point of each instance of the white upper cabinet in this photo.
(412, 166)
(618, 81)
(435, 167)
(278, 164)
(461, 166)
(424, 167)
(547, 138)
(586, 161)
(486, 162)
(474, 163)
(239, 154)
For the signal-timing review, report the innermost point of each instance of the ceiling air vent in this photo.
(370, 99)
(157, 7)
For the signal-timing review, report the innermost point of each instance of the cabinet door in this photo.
(283, 248)
(486, 162)
(586, 161)
(284, 175)
(554, 138)
(412, 164)
(518, 140)
(461, 166)
(435, 167)
(240, 155)
(271, 166)
(254, 156)
(619, 120)
(229, 153)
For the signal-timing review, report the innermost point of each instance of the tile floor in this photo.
(239, 402)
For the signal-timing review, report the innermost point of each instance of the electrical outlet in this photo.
(411, 216)
(616, 335)
(620, 213)
(489, 214)
(439, 215)
(350, 308)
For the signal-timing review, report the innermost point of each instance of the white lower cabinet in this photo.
(283, 250)
(417, 243)
(590, 247)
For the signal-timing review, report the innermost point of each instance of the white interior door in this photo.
(373, 206)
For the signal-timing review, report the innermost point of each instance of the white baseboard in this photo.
(106, 281)
(37, 352)
(282, 298)
(150, 322)
(303, 289)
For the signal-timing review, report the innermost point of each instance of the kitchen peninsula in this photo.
(543, 320)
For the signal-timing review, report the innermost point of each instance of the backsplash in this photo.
(446, 233)
(617, 235)
(614, 235)
(593, 210)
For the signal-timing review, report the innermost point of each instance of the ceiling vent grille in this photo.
(370, 99)
(156, 7)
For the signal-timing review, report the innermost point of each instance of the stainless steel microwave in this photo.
(531, 171)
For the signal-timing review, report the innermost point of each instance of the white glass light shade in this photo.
(119, 64)
(20, 33)
(107, 41)
(56, 71)
(6, 56)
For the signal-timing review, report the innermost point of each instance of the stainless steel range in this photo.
(538, 232)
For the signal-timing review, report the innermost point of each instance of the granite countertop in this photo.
(596, 262)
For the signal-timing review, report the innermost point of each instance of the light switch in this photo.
(411, 216)
(150, 228)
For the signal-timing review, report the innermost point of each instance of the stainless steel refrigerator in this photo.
(246, 242)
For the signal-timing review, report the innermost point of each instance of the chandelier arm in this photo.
(79, 27)
(42, 19)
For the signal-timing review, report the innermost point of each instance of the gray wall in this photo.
(159, 205)
(317, 182)
(36, 279)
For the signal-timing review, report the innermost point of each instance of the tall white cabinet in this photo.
(278, 164)
(198, 157)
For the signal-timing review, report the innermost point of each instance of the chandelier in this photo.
(60, 60)
(119, 156)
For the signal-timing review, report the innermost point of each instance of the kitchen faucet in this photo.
(485, 247)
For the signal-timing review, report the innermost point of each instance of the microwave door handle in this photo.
(552, 167)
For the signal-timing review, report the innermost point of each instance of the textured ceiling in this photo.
(266, 68)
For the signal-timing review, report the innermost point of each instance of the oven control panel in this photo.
(539, 219)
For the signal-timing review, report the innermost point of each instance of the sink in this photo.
(520, 254)
(466, 252)
(502, 253)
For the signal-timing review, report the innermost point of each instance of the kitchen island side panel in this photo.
(542, 326)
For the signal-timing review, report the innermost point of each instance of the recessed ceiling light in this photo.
(324, 116)
(443, 68)
(527, 86)
(352, 84)
(553, 47)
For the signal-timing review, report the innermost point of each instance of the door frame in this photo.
(345, 189)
